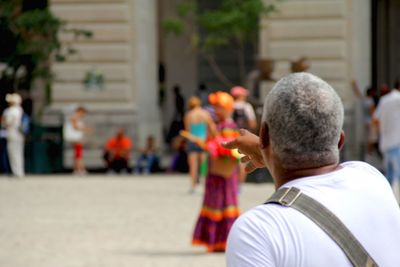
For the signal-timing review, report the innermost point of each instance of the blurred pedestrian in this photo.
(179, 103)
(220, 202)
(244, 116)
(179, 161)
(387, 118)
(371, 132)
(243, 113)
(383, 90)
(148, 160)
(12, 117)
(117, 152)
(74, 133)
(177, 120)
(202, 93)
(198, 123)
(4, 164)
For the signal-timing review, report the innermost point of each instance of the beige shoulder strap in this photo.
(327, 221)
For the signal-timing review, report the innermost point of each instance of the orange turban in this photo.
(222, 99)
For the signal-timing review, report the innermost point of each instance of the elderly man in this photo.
(11, 120)
(300, 138)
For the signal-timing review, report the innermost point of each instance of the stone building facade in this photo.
(335, 37)
(124, 49)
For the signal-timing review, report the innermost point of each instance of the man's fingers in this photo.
(245, 159)
(235, 142)
(250, 167)
(242, 132)
(230, 145)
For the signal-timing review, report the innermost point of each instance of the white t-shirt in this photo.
(72, 134)
(358, 194)
(387, 113)
(12, 119)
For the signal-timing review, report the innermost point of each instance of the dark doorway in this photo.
(225, 57)
(385, 42)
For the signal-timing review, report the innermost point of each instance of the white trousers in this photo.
(15, 150)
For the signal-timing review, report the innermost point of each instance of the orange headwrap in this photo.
(222, 99)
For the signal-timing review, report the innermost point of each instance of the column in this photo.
(145, 69)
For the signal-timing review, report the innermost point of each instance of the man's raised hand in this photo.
(248, 144)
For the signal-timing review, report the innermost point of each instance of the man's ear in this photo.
(341, 140)
(264, 135)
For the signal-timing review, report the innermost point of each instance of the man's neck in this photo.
(285, 176)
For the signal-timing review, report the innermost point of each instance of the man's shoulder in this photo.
(394, 95)
(359, 165)
(268, 233)
(260, 224)
(266, 219)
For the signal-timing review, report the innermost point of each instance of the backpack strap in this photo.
(327, 221)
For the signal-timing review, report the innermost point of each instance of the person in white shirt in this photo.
(387, 118)
(244, 116)
(15, 139)
(299, 142)
(243, 113)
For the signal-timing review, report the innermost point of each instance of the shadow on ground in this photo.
(162, 253)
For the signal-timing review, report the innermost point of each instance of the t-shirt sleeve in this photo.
(249, 245)
(250, 112)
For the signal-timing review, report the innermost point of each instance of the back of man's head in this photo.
(304, 115)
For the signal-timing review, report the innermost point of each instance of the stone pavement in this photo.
(105, 221)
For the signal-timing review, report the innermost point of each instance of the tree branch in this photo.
(217, 70)
(241, 61)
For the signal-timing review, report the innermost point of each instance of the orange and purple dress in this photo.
(220, 204)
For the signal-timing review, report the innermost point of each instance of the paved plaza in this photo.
(105, 221)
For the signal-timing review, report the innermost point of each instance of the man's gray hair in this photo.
(304, 115)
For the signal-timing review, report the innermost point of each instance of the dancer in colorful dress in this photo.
(220, 203)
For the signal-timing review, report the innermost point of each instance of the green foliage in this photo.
(184, 9)
(173, 25)
(233, 22)
(32, 42)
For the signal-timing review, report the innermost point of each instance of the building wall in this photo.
(109, 50)
(123, 48)
(179, 59)
(334, 35)
(386, 40)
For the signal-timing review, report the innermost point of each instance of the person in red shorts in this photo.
(117, 152)
(74, 131)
